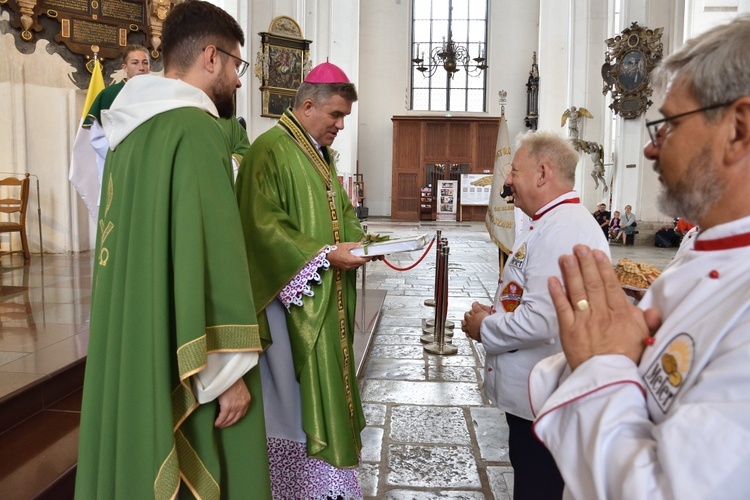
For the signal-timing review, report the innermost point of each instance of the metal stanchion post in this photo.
(431, 334)
(441, 310)
(364, 281)
(428, 325)
(438, 244)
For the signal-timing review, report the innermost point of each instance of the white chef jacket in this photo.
(677, 425)
(523, 329)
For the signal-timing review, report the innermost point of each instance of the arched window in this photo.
(449, 53)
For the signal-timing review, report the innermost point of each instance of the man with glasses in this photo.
(232, 127)
(653, 401)
(299, 229)
(172, 403)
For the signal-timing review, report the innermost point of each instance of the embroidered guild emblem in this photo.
(519, 257)
(510, 297)
(667, 373)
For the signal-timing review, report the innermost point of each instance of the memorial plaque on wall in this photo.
(86, 26)
(105, 24)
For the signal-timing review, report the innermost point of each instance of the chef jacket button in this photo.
(531, 228)
(713, 274)
(489, 368)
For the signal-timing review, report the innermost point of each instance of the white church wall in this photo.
(670, 16)
(589, 27)
(571, 44)
(571, 53)
(42, 110)
(332, 25)
(514, 28)
(554, 61)
(635, 181)
(383, 93)
(385, 78)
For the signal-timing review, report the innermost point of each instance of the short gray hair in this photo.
(551, 148)
(321, 92)
(715, 65)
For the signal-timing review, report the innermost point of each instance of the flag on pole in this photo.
(84, 173)
(500, 220)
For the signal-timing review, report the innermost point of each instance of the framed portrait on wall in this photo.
(629, 60)
(281, 65)
(276, 101)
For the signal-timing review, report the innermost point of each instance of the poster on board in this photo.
(476, 189)
(447, 198)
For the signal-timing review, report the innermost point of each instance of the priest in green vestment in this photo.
(299, 229)
(172, 401)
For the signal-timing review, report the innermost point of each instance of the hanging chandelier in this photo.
(451, 57)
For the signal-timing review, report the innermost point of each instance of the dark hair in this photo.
(192, 25)
(129, 49)
(321, 92)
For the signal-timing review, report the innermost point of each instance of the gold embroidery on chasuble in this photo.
(191, 358)
(197, 477)
(167, 482)
(105, 230)
(302, 140)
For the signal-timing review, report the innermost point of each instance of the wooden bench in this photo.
(630, 238)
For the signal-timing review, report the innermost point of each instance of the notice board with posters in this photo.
(447, 200)
(476, 189)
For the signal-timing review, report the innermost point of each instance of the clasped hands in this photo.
(472, 321)
(594, 314)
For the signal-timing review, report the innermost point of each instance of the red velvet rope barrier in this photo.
(413, 265)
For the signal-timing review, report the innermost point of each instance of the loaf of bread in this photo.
(636, 274)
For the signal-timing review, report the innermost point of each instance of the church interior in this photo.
(544, 64)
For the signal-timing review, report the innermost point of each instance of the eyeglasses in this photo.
(655, 126)
(243, 64)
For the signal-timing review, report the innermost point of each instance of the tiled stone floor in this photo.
(431, 433)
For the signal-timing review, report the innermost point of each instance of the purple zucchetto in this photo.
(326, 73)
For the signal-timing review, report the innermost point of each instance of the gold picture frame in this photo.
(281, 65)
(629, 60)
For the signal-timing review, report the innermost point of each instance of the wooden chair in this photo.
(16, 314)
(12, 205)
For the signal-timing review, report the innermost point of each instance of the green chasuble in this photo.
(237, 136)
(171, 284)
(289, 218)
(103, 100)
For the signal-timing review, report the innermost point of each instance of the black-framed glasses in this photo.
(243, 64)
(655, 126)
